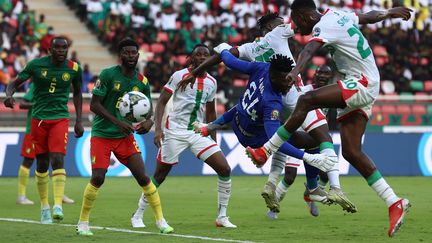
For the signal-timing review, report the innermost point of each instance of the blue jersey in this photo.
(256, 116)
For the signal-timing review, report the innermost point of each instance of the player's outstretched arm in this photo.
(10, 90)
(235, 63)
(304, 57)
(25, 105)
(377, 16)
(208, 63)
(160, 109)
(97, 107)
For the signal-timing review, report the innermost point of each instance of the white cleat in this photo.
(67, 200)
(224, 222)
(137, 221)
(23, 200)
(83, 228)
(272, 215)
(320, 161)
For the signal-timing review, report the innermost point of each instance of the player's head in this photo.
(280, 66)
(304, 15)
(59, 48)
(323, 76)
(199, 54)
(268, 22)
(128, 52)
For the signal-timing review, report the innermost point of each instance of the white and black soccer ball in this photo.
(134, 106)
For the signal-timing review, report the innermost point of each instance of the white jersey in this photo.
(188, 105)
(351, 53)
(274, 42)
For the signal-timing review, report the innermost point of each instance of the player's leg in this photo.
(335, 195)
(167, 156)
(100, 152)
(28, 154)
(57, 143)
(283, 185)
(328, 96)
(219, 163)
(39, 135)
(269, 190)
(129, 154)
(23, 177)
(323, 180)
(352, 130)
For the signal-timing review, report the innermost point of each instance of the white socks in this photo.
(332, 174)
(274, 143)
(281, 190)
(142, 204)
(277, 166)
(385, 192)
(224, 193)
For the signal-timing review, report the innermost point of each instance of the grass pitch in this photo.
(189, 204)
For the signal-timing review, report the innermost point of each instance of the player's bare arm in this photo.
(210, 62)
(10, 90)
(211, 116)
(160, 109)
(97, 107)
(377, 16)
(77, 100)
(304, 57)
(25, 105)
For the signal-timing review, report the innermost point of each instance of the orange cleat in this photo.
(397, 212)
(259, 156)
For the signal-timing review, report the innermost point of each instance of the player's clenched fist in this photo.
(9, 102)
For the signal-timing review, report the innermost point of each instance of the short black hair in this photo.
(264, 20)
(60, 37)
(281, 63)
(303, 4)
(126, 42)
(199, 45)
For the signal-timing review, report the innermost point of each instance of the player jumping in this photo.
(353, 95)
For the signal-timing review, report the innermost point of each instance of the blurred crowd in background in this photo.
(168, 30)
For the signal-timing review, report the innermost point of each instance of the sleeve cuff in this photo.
(168, 89)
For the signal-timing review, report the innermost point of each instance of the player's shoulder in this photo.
(143, 79)
(211, 78)
(75, 66)
(41, 61)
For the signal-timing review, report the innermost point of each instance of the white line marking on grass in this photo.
(129, 231)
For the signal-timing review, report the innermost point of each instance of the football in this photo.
(134, 106)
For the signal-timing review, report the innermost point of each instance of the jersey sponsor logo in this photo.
(66, 76)
(116, 86)
(274, 115)
(316, 32)
(44, 73)
(424, 154)
(83, 159)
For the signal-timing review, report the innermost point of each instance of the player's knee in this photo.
(159, 178)
(225, 170)
(97, 179)
(351, 154)
(57, 160)
(290, 175)
(305, 101)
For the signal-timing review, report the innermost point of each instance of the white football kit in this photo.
(188, 107)
(353, 58)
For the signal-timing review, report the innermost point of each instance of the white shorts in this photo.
(176, 141)
(313, 119)
(358, 95)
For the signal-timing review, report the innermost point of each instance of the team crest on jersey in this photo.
(135, 88)
(316, 32)
(44, 73)
(274, 115)
(116, 86)
(66, 76)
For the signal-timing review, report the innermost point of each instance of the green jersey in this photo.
(112, 85)
(29, 98)
(51, 86)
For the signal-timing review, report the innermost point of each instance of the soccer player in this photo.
(52, 76)
(275, 41)
(353, 95)
(178, 135)
(28, 153)
(111, 133)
